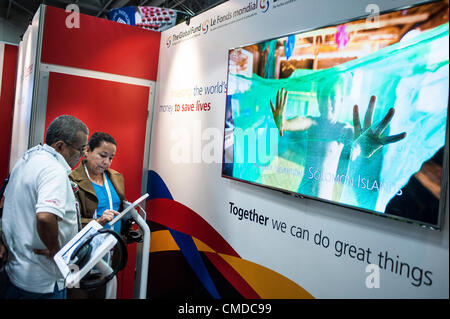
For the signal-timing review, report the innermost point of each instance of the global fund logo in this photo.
(205, 26)
(248, 10)
(169, 41)
(264, 5)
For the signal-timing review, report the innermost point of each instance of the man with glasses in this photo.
(40, 213)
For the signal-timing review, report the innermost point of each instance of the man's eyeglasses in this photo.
(79, 149)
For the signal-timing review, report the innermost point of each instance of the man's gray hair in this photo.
(65, 128)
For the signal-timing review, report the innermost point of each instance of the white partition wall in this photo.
(28, 68)
(297, 250)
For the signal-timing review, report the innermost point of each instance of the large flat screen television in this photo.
(353, 113)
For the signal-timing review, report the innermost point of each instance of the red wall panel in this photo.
(115, 108)
(100, 45)
(7, 83)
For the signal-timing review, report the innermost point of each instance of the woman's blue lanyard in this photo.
(108, 191)
(105, 182)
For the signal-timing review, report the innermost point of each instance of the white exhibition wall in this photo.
(25, 81)
(186, 151)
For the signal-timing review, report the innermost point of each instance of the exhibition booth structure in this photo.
(8, 66)
(289, 149)
(99, 71)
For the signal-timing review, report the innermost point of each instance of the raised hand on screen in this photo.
(299, 123)
(368, 139)
(278, 110)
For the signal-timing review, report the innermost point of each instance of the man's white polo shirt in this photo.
(38, 183)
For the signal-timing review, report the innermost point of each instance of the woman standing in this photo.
(100, 194)
(101, 190)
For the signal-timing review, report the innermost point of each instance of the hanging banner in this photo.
(150, 18)
(125, 15)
